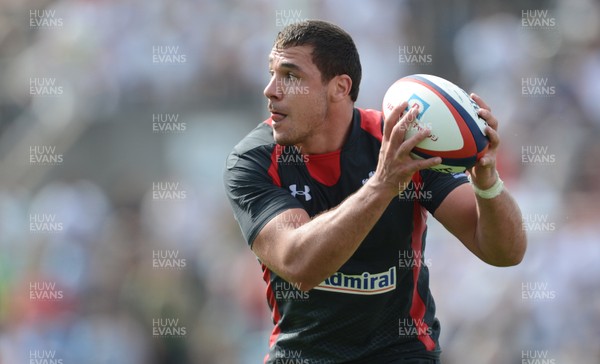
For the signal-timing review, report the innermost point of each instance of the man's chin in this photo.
(282, 139)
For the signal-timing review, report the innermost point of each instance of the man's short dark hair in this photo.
(334, 52)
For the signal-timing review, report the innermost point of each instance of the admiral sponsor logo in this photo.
(536, 357)
(365, 283)
(413, 327)
(44, 357)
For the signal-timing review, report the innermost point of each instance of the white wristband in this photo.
(491, 192)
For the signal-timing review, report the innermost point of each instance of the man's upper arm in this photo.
(272, 245)
(458, 214)
(452, 202)
(254, 197)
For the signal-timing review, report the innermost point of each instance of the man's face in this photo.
(297, 96)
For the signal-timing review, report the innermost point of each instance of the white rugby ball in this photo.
(457, 132)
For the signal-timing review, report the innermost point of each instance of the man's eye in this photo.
(292, 76)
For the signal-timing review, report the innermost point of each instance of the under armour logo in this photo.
(305, 193)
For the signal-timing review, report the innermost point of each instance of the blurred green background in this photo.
(117, 244)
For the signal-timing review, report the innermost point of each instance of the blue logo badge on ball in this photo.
(423, 105)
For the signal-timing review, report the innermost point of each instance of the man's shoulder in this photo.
(260, 137)
(371, 121)
(252, 153)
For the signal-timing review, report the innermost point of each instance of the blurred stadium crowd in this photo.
(114, 228)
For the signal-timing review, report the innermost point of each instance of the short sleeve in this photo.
(440, 185)
(253, 196)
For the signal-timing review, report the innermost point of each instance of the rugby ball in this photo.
(457, 132)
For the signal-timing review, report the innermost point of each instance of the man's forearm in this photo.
(500, 235)
(321, 246)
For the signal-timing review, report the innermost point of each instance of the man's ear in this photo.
(339, 87)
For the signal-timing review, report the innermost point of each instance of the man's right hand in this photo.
(396, 167)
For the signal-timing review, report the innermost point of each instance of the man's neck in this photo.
(333, 134)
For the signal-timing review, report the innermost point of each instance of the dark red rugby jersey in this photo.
(378, 306)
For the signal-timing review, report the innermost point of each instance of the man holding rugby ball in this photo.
(317, 191)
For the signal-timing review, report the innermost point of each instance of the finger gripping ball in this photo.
(457, 132)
